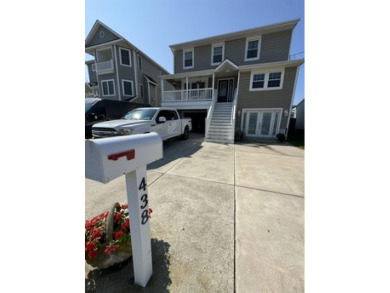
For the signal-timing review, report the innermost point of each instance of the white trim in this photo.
(226, 61)
(193, 58)
(105, 48)
(226, 78)
(212, 53)
(266, 79)
(258, 48)
(108, 88)
(123, 88)
(120, 56)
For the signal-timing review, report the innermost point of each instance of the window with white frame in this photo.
(217, 54)
(139, 62)
(127, 87)
(125, 57)
(266, 80)
(108, 87)
(188, 59)
(252, 51)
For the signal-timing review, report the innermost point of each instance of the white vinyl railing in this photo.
(205, 94)
(233, 117)
(210, 112)
(104, 66)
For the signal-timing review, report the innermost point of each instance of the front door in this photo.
(225, 90)
(261, 123)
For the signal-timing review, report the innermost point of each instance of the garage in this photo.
(198, 118)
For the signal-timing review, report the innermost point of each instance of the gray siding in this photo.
(274, 47)
(91, 74)
(267, 98)
(125, 72)
(96, 40)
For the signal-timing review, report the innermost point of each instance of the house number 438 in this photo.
(144, 199)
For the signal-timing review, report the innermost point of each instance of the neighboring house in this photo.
(120, 70)
(238, 81)
(300, 116)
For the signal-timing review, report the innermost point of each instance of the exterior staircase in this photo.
(221, 128)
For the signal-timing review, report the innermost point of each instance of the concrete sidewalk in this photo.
(226, 218)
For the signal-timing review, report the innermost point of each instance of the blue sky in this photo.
(155, 24)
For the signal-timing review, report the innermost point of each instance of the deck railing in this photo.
(191, 95)
(105, 67)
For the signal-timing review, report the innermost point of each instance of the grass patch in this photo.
(297, 138)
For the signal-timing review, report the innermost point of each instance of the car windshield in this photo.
(89, 103)
(140, 114)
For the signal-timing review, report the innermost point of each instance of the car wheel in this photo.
(186, 133)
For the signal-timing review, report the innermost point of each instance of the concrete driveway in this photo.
(226, 218)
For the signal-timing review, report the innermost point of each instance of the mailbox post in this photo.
(109, 158)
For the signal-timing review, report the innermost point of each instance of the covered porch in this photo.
(200, 89)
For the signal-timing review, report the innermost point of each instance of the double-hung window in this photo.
(127, 87)
(108, 87)
(188, 59)
(252, 51)
(125, 57)
(266, 80)
(217, 54)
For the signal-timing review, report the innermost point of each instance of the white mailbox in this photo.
(109, 158)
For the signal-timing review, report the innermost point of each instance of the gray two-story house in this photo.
(120, 71)
(243, 80)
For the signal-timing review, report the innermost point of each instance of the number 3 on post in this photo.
(144, 199)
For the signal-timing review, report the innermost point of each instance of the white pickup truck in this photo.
(165, 121)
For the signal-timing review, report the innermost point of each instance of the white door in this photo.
(262, 123)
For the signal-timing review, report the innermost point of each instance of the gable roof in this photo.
(121, 40)
(281, 26)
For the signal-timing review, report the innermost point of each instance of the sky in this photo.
(155, 24)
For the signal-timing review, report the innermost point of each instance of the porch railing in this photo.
(105, 67)
(191, 95)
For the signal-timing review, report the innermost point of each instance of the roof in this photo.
(119, 40)
(281, 26)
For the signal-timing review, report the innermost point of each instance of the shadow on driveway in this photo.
(120, 278)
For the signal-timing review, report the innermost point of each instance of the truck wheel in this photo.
(186, 133)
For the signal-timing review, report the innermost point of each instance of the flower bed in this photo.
(107, 237)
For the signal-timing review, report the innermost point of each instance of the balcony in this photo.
(193, 98)
(105, 67)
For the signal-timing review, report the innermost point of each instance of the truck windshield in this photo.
(140, 114)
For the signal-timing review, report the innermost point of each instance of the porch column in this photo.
(162, 89)
(187, 88)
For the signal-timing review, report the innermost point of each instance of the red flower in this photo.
(117, 235)
(124, 206)
(96, 233)
(118, 216)
(126, 225)
(115, 247)
(89, 246)
(108, 250)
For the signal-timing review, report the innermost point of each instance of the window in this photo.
(127, 86)
(93, 67)
(125, 57)
(188, 59)
(217, 54)
(252, 51)
(258, 81)
(141, 90)
(108, 87)
(266, 80)
(139, 62)
(274, 79)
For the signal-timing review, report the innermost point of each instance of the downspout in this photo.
(292, 99)
(117, 73)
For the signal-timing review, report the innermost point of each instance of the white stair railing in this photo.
(233, 117)
(210, 112)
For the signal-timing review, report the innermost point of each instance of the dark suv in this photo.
(99, 110)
